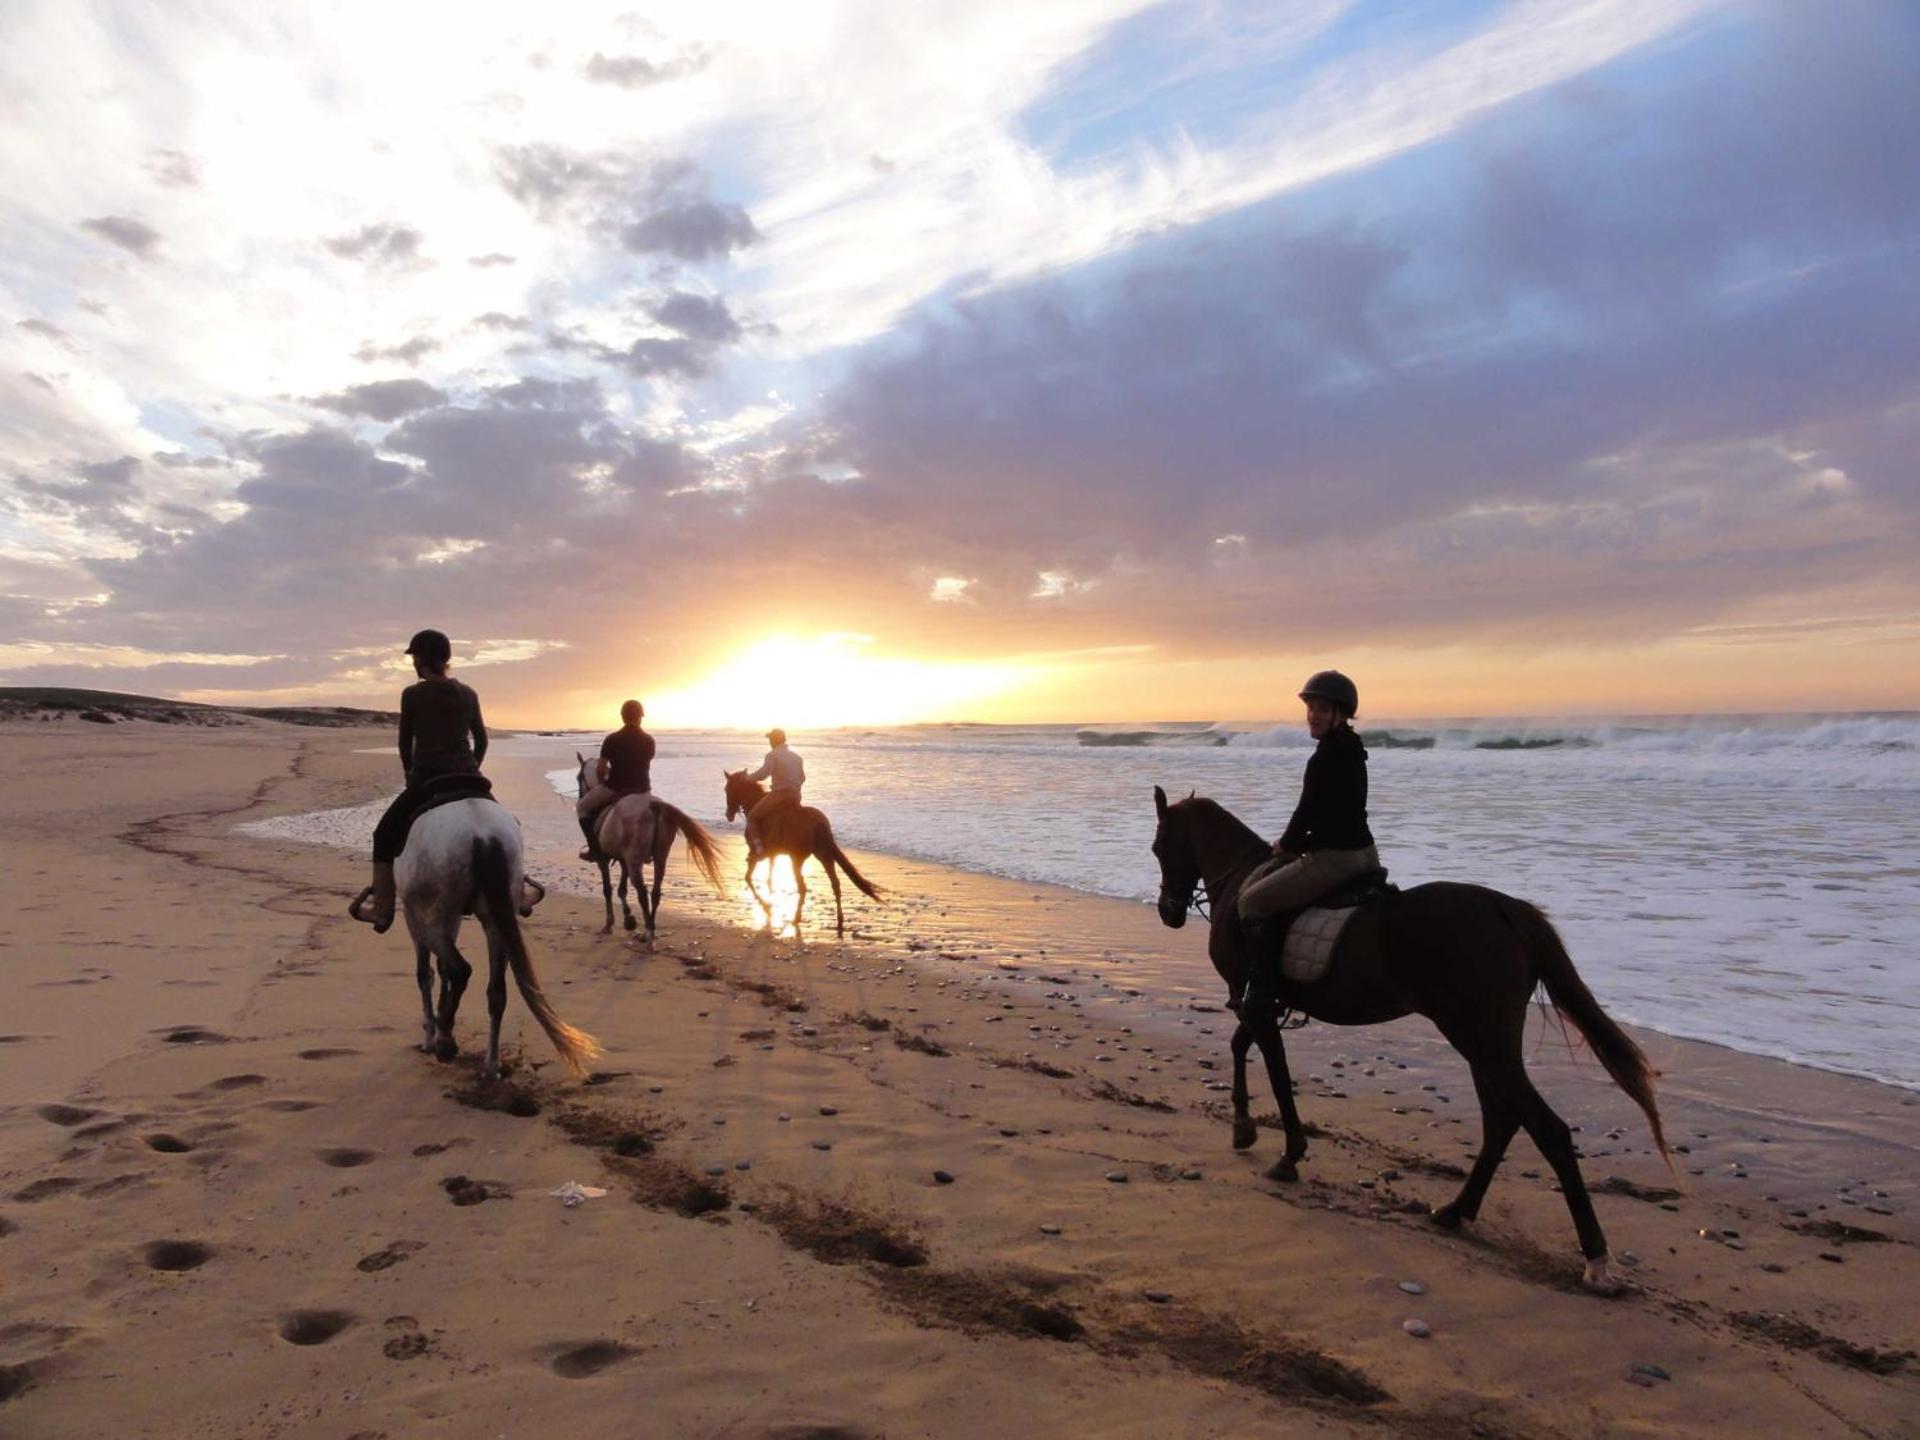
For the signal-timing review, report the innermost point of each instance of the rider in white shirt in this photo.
(787, 772)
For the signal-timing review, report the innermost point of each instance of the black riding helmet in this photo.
(431, 648)
(1334, 688)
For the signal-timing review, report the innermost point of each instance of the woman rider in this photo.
(1327, 843)
(441, 734)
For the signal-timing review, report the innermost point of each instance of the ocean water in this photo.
(1752, 881)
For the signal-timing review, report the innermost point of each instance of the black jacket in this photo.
(1332, 813)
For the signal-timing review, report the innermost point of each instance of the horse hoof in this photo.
(445, 1048)
(1283, 1170)
(632, 924)
(1447, 1217)
(1245, 1132)
(1599, 1277)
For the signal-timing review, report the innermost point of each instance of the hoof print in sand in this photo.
(345, 1159)
(239, 1082)
(589, 1359)
(314, 1327)
(177, 1254)
(290, 1107)
(326, 1052)
(67, 1115)
(464, 1191)
(409, 1346)
(169, 1144)
(387, 1258)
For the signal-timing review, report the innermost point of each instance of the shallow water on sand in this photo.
(1748, 882)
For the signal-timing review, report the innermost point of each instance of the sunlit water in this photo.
(1750, 882)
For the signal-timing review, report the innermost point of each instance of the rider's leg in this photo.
(1268, 902)
(389, 839)
(588, 811)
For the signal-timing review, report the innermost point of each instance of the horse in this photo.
(1465, 956)
(464, 858)
(636, 829)
(797, 832)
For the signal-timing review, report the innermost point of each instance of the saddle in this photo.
(445, 789)
(1313, 935)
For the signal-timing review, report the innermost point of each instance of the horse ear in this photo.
(1192, 793)
(1159, 802)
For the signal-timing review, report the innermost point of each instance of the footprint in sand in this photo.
(290, 1107)
(314, 1327)
(7, 1227)
(326, 1052)
(68, 1115)
(589, 1359)
(345, 1159)
(42, 1189)
(389, 1257)
(192, 1035)
(169, 1144)
(177, 1254)
(239, 1082)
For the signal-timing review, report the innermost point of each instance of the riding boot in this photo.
(383, 897)
(1264, 938)
(588, 825)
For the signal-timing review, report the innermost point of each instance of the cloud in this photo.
(698, 317)
(135, 236)
(381, 243)
(690, 230)
(500, 320)
(408, 352)
(490, 260)
(636, 72)
(383, 399)
(46, 329)
(174, 168)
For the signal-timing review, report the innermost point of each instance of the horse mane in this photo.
(1234, 825)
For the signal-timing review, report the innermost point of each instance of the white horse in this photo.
(465, 858)
(636, 830)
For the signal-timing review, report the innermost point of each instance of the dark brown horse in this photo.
(1466, 957)
(798, 832)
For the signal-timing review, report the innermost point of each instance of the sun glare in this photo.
(834, 680)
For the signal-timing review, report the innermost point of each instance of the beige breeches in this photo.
(1281, 885)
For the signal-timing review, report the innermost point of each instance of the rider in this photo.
(1326, 843)
(788, 773)
(624, 766)
(441, 734)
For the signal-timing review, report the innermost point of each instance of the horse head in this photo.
(742, 793)
(586, 779)
(1179, 866)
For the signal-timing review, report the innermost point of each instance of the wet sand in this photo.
(234, 1200)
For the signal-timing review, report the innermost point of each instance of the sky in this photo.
(819, 364)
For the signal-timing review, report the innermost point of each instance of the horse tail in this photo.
(706, 854)
(495, 875)
(838, 857)
(1625, 1061)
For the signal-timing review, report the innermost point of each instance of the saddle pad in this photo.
(1310, 943)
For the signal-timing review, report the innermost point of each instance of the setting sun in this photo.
(834, 680)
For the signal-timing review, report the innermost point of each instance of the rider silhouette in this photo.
(788, 772)
(624, 768)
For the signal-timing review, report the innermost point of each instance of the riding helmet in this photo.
(776, 736)
(431, 648)
(1334, 688)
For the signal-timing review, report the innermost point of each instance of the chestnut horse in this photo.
(797, 832)
(1466, 957)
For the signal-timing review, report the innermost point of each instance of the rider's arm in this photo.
(1294, 841)
(406, 730)
(766, 768)
(479, 728)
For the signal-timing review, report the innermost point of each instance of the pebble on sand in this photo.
(1049, 1229)
(1419, 1329)
(1413, 1287)
(1158, 1297)
(1118, 1177)
(943, 1177)
(823, 1144)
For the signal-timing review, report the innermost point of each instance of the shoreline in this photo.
(316, 1134)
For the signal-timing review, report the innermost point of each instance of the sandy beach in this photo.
(952, 1177)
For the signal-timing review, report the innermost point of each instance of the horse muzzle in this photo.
(1172, 914)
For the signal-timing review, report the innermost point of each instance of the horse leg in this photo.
(496, 999)
(626, 910)
(800, 893)
(833, 879)
(764, 906)
(1273, 1050)
(423, 967)
(662, 848)
(639, 872)
(606, 894)
(454, 974)
(1499, 1118)
(1245, 1132)
(1555, 1141)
